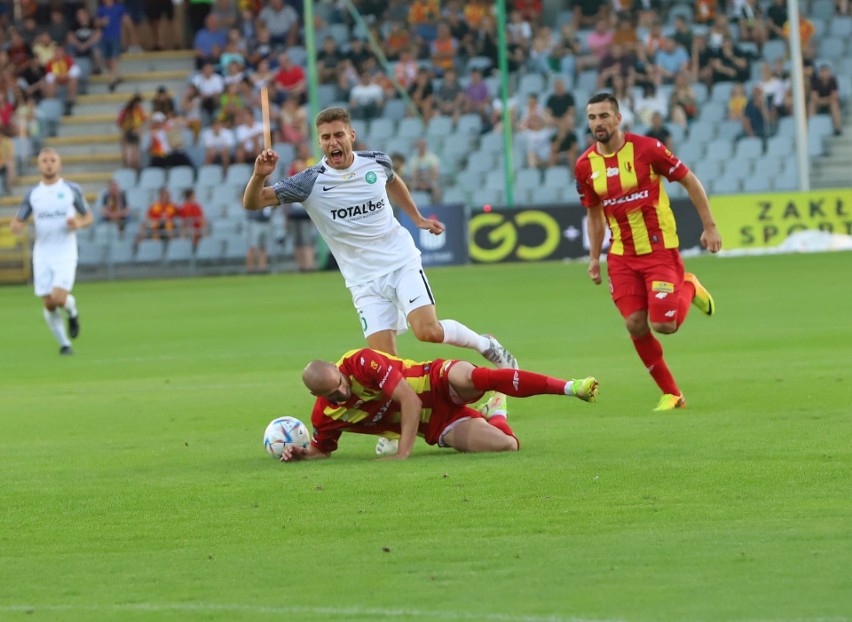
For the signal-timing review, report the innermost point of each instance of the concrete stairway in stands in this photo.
(87, 140)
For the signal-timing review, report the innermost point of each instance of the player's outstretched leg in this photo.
(498, 354)
(702, 299)
(457, 334)
(521, 383)
(670, 401)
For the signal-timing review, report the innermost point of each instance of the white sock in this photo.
(71, 305)
(57, 326)
(569, 388)
(457, 334)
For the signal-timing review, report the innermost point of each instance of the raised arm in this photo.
(256, 195)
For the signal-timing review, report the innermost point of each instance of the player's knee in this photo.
(510, 443)
(664, 328)
(430, 333)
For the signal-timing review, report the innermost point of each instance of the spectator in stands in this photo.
(683, 33)
(134, 16)
(705, 11)
(564, 147)
(262, 48)
(8, 164)
(232, 61)
(824, 97)
(422, 93)
(62, 72)
(84, 41)
(443, 50)
(190, 109)
(209, 42)
(615, 61)
(755, 115)
(210, 86)
(230, 103)
(589, 13)
(259, 231)
(536, 138)
(197, 12)
(293, 122)
(163, 150)
(262, 76)
(776, 17)
(449, 99)
(567, 51)
(423, 16)
(110, 18)
(737, 102)
(20, 52)
(298, 224)
(625, 33)
(683, 104)
(163, 101)
(719, 31)
(366, 99)
(249, 136)
(405, 70)
(397, 40)
(160, 220)
(7, 115)
(131, 119)
(701, 66)
(27, 124)
(282, 21)
(425, 170)
(399, 163)
(670, 60)
(193, 223)
(598, 42)
(751, 22)
(730, 65)
(532, 108)
(357, 54)
(226, 12)
(777, 89)
(31, 80)
(626, 104)
(328, 59)
(477, 96)
(30, 30)
(291, 79)
(114, 206)
(219, 144)
(653, 40)
(659, 131)
(651, 101)
(161, 15)
(806, 29)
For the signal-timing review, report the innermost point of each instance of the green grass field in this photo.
(135, 486)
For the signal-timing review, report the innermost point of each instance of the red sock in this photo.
(684, 304)
(651, 353)
(516, 382)
(500, 422)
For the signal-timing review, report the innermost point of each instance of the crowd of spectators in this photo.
(442, 54)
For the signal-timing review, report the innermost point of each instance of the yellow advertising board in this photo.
(766, 220)
(14, 254)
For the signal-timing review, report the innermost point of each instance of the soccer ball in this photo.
(282, 432)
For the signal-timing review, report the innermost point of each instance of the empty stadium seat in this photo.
(126, 178)
(152, 178)
(149, 251)
(178, 250)
(209, 249)
(749, 147)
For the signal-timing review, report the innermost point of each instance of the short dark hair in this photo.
(329, 115)
(599, 98)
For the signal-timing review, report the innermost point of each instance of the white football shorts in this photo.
(53, 271)
(384, 304)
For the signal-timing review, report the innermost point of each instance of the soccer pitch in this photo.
(135, 485)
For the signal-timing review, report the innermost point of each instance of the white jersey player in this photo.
(58, 209)
(348, 195)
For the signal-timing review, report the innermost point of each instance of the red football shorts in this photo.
(444, 412)
(649, 283)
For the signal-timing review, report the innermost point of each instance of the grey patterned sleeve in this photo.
(381, 158)
(80, 203)
(26, 207)
(297, 188)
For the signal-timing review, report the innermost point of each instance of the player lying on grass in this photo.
(370, 392)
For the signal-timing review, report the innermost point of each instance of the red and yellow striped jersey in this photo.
(373, 376)
(629, 186)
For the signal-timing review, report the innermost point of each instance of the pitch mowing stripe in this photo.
(346, 611)
(331, 612)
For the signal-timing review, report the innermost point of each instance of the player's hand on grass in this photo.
(595, 270)
(711, 239)
(265, 163)
(292, 454)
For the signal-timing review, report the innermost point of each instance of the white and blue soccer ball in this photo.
(283, 432)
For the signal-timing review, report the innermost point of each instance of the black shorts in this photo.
(159, 9)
